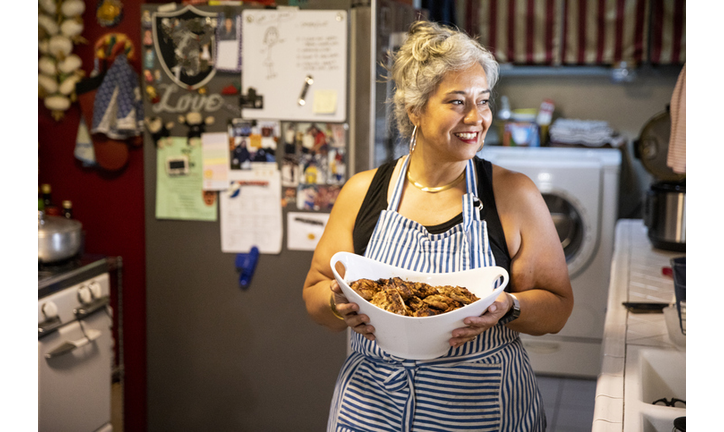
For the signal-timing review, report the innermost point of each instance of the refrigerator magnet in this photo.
(149, 59)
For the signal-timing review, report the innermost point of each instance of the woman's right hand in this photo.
(349, 311)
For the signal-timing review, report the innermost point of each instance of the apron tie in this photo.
(401, 376)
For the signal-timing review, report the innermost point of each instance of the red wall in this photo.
(110, 206)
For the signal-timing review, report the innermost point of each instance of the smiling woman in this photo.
(417, 213)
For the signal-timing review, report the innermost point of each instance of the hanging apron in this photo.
(486, 384)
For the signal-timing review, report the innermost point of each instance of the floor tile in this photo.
(568, 403)
(574, 418)
(549, 389)
(578, 393)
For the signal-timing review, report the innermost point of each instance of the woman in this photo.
(443, 202)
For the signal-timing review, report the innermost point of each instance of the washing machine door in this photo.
(568, 223)
(574, 227)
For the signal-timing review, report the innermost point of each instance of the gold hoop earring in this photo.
(413, 139)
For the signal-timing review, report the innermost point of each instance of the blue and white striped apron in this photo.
(484, 385)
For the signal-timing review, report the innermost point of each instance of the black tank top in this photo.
(376, 200)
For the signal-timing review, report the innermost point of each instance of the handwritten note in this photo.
(251, 213)
(281, 50)
(318, 52)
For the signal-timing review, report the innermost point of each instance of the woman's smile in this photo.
(468, 137)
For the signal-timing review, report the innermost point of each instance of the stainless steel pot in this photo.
(58, 238)
(665, 202)
(665, 216)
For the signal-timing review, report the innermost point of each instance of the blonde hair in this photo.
(430, 52)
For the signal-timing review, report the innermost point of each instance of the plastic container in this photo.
(418, 338)
(678, 267)
(673, 326)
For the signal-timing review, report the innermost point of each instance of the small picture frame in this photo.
(228, 43)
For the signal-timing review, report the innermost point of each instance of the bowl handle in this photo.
(504, 275)
(336, 258)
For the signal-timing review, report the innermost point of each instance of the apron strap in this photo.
(471, 179)
(471, 204)
(399, 183)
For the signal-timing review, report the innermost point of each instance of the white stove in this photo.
(75, 346)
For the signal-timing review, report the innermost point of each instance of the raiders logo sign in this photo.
(185, 42)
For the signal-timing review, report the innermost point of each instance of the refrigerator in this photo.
(221, 356)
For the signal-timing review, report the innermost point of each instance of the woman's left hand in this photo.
(477, 325)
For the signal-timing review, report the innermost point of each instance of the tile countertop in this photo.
(636, 276)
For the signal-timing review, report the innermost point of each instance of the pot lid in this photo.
(49, 225)
(653, 148)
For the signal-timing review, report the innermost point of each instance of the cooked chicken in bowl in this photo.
(414, 299)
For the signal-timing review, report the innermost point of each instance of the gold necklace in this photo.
(437, 188)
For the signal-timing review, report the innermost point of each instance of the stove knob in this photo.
(95, 289)
(49, 309)
(84, 295)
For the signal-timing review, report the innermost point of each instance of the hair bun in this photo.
(428, 40)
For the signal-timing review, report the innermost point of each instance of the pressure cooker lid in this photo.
(652, 148)
(669, 187)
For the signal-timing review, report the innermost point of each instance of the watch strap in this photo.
(513, 313)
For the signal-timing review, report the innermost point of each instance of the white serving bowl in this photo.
(417, 338)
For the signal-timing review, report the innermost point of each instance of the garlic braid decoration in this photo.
(60, 24)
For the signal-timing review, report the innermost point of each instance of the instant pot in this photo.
(665, 201)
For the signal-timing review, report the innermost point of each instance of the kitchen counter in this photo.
(636, 276)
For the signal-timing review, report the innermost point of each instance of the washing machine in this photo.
(580, 187)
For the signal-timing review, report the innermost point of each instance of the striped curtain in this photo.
(578, 32)
(668, 31)
(604, 32)
(516, 31)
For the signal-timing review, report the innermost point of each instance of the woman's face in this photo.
(457, 116)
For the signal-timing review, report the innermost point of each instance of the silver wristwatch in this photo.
(513, 313)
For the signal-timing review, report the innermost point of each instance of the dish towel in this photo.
(676, 158)
(118, 107)
(590, 133)
(84, 145)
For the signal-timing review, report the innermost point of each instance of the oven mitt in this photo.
(110, 154)
(118, 107)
